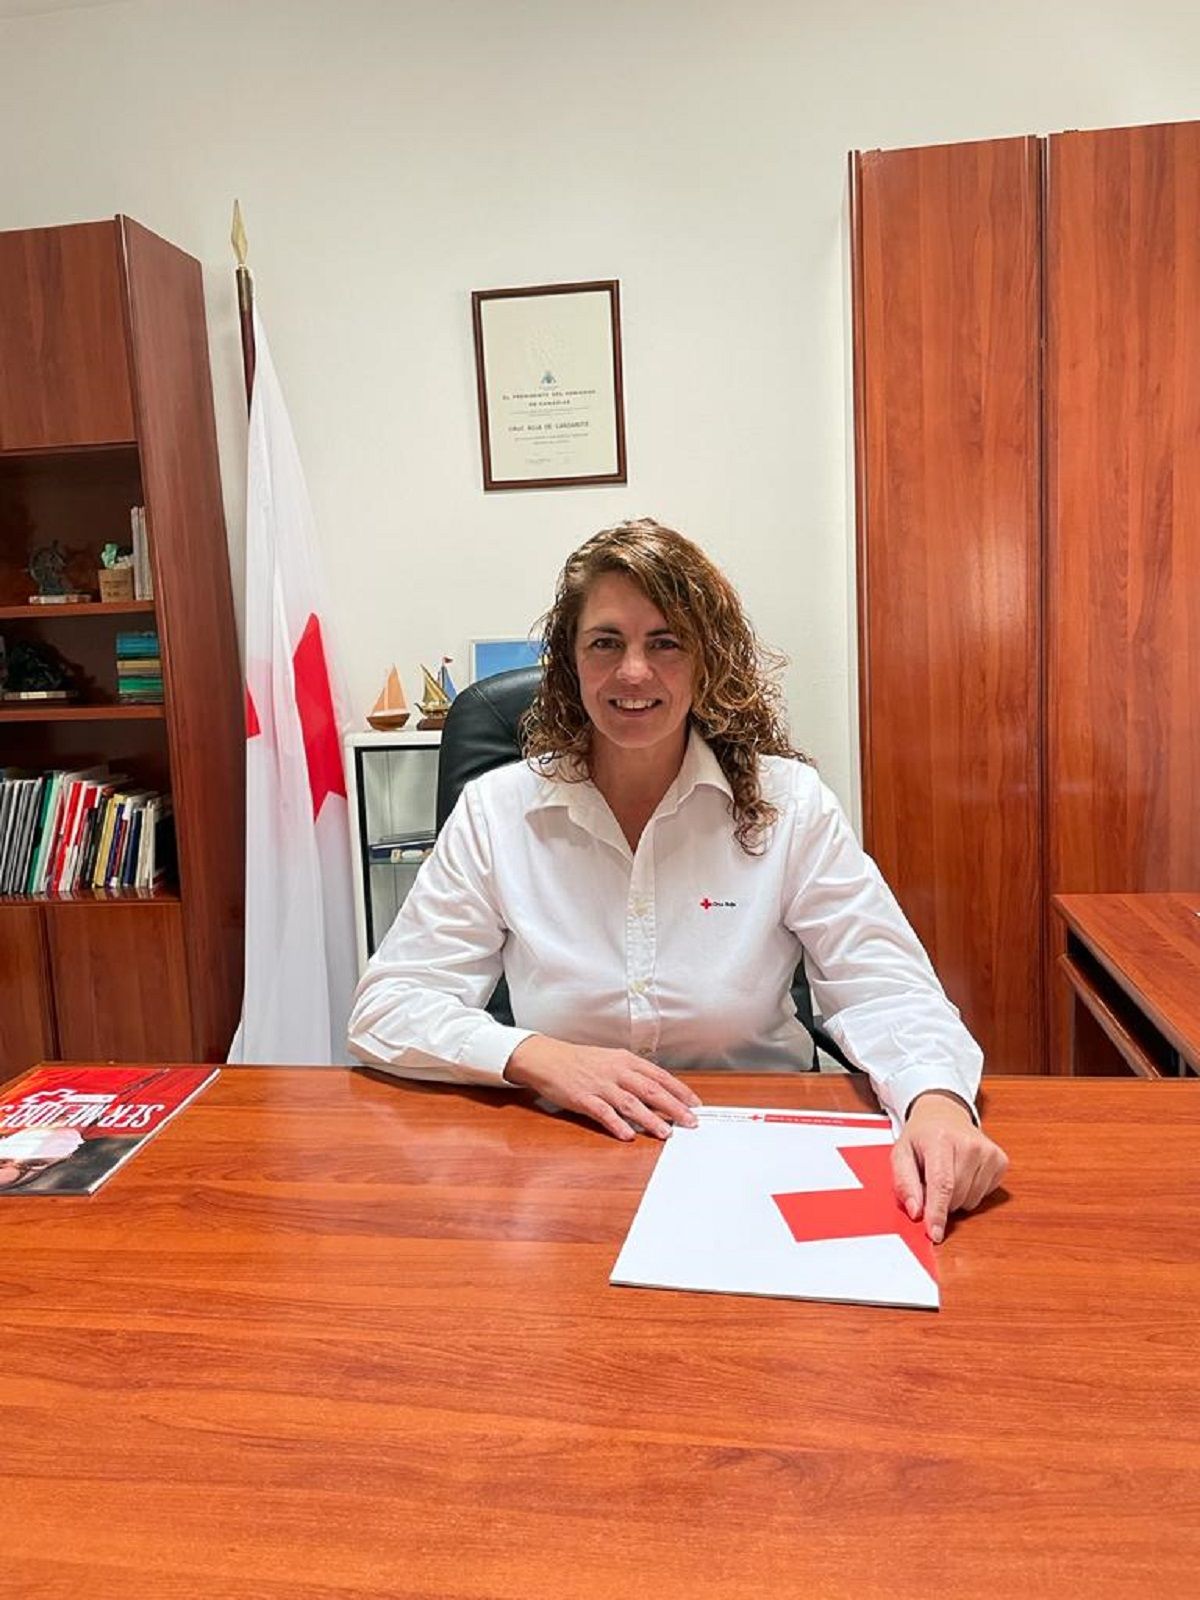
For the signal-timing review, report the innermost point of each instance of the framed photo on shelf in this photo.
(548, 371)
(490, 656)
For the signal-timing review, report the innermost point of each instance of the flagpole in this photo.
(245, 294)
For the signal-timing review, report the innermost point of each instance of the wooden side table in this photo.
(1133, 964)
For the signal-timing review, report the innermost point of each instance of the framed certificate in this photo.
(548, 367)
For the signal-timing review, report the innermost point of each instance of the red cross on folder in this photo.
(854, 1213)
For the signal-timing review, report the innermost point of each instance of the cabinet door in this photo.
(120, 985)
(26, 1014)
(947, 387)
(1123, 504)
(63, 354)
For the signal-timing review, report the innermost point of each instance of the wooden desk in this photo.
(330, 1337)
(1133, 964)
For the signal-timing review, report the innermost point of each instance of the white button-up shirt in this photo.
(681, 951)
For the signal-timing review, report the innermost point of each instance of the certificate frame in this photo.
(549, 380)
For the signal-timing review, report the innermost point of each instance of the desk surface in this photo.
(1150, 944)
(331, 1337)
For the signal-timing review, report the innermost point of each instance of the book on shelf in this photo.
(66, 1130)
(137, 643)
(143, 578)
(61, 832)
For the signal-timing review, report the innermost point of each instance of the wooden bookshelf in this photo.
(73, 712)
(84, 608)
(106, 404)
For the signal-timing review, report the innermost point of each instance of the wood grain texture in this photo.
(1123, 464)
(120, 981)
(1150, 945)
(947, 324)
(62, 339)
(334, 1336)
(202, 678)
(26, 1009)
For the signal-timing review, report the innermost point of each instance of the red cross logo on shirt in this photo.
(706, 903)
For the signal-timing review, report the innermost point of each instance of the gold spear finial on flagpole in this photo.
(237, 236)
(245, 293)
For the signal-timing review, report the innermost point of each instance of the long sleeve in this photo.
(418, 1010)
(871, 981)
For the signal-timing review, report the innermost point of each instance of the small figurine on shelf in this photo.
(390, 711)
(37, 672)
(47, 568)
(116, 574)
(439, 692)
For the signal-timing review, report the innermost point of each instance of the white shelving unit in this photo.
(392, 780)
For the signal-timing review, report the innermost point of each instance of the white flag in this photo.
(300, 962)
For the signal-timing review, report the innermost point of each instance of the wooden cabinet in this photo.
(949, 567)
(106, 404)
(26, 1006)
(1027, 320)
(63, 349)
(1123, 516)
(120, 981)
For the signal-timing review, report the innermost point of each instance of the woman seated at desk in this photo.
(647, 879)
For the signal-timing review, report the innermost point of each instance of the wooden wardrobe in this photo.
(1027, 384)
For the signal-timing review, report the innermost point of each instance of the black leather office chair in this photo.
(481, 732)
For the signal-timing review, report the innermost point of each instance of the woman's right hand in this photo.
(613, 1087)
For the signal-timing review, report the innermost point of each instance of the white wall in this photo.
(392, 157)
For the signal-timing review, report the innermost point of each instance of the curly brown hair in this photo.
(736, 700)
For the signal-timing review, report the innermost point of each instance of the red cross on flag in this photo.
(300, 968)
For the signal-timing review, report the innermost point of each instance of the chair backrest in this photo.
(482, 732)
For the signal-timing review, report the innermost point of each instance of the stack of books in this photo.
(61, 832)
(139, 669)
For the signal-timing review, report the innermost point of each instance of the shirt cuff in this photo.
(897, 1093)
(486, 1054)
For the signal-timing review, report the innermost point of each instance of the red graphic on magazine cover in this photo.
(64, 1130)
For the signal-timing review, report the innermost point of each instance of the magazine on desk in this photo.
(797, 1204)
(66, 1130)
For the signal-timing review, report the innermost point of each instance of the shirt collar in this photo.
(699, 769)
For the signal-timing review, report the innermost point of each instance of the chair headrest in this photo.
(481, 731)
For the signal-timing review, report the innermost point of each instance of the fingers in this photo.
(636, 1111)
(907, 1178)
(661, 1099)
(617, 1089)
(668, 1081)
(600, 1111)
(993, 1164)
(939, 1186)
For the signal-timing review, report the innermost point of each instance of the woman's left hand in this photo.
(942, 1162)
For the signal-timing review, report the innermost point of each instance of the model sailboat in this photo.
(391, 709)
(439, 692)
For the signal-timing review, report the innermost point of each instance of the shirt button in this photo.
(638, 986)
